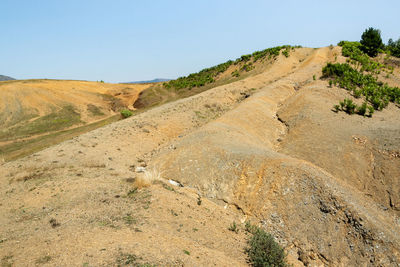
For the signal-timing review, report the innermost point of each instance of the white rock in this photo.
(175, 183)
(140, 169)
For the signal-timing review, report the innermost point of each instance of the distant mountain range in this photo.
(5, 78)
(152, 81)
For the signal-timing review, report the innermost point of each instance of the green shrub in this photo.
(247, 67)
(394, 47)
(264, 251)
(126, 113)
(336, 70)
(235, 73)
(348, 106)
(371, 41)
(336, 108)
(361, 110)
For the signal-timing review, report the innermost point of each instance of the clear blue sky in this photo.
(123, 40)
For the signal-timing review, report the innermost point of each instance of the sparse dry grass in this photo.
(33, 173)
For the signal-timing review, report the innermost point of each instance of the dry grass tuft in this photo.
(33, 173)
(149, 177)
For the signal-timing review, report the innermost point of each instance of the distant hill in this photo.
(43, 110)
(5, 78)
(152, 81)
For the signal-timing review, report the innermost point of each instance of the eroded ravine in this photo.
(236, 158)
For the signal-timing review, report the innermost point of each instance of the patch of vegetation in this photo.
(186, 252)
(209, 75)
(273, 52)
(263, 250)
(23, 148)
(199, 79)
(142, 197)
(126, 113)
(10, 117)
(114, 102)
(94, 110)
(235, 73)
(131, 193)
(353, 50)
(348, 106)
(129, 220)
(125, 259)
(59, 120)
(247, 67)
(393, 47)
(170, 188)
(359, 84)
(35, 174)
(233, 227)
(360, 77)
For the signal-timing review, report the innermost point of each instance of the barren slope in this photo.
(266, 149)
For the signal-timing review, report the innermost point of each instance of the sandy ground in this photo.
(267, 149)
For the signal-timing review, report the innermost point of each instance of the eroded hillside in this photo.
(267, 149)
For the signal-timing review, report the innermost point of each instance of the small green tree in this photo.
(371, 41)
(394, 47)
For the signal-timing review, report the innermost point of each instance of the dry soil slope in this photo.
(23, 101)
(32, 109)
(242, 145)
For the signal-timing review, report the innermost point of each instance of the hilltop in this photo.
(179, 183)
(5, 78)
